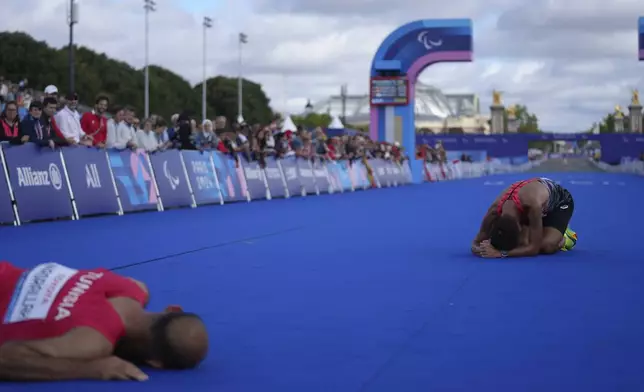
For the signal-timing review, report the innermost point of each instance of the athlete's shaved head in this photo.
(505, 233)
(179, 340)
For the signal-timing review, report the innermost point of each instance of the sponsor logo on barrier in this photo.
(290, 173)
(203, 176)
(307, 173)
(29, 177)
(92, 177)
(36, 291)
(273, 173)
(253, 173)
(173, 180)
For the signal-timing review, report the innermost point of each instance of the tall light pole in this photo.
(149, 6)
(243, 39)
(72, 19)
(207, 24)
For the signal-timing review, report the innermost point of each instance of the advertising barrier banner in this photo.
(133, 179)
(38, 181)
(171, 179)
(230, 185)
(6, 209)
(344, 174)
(305, 172)
(91, 181)
(334, 176)
(289, 168)
(203, 179)
(321, 178)
(376, 165)
(254, 180)
(274, 178)
(360, 175)
(381, 169)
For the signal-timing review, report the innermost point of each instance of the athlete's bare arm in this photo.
(488, 219)
(535, 229)
(82, 353)
(21, 362)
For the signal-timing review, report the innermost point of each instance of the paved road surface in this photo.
(572, 165)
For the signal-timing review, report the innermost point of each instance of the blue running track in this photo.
(376, 291)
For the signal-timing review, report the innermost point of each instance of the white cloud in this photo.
(570, 62)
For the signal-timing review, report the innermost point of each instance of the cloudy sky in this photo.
(569, 61)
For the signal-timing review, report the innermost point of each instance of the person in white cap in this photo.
(51, 91)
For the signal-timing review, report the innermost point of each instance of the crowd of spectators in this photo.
(55, 120)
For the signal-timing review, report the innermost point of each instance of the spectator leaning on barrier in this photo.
(123, 134)
(161, 133)
(37, 127)
(68, 121)
(146, 137)
(94, 123)
(10, 123)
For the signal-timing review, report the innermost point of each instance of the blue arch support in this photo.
(408, 51)
(640, 30)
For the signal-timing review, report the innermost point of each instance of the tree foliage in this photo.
(23, 57)
(312, 120)
(528, 122)
(607, 125)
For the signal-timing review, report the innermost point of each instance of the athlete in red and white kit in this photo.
(528, 218)
(59, 323)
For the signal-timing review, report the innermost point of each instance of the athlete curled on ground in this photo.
(59, 323)
(528, 218)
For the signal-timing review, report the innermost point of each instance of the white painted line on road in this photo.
(494, 183)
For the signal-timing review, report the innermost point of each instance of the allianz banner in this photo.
(6, 210)
(202, 177)
(321, 178)
(171, 178)
(254, 179)
(91, 180)
(133, 179)
(293, 184)
(305, 173)
(38, 181)
(274, 178)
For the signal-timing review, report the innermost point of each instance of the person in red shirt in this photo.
(94, 123)
(59, 323)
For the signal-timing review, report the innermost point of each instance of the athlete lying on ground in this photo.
(541, 206)
(62, 324)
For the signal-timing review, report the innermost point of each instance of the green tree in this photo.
(313, 120)
(222, 98)
(23, 57)
(528, 122)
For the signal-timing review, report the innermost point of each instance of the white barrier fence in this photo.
(459, 170)
(628, 165)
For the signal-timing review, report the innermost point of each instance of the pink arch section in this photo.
(412, 74)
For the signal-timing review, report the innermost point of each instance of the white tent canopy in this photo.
(336, 123)
(288, 125)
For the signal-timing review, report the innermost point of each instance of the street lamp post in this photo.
(72, 19)
(243, 39)
(207, 24)
(149, 6)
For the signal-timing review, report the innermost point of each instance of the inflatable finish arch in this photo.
(408, 51)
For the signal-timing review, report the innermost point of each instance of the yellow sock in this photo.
(570, 240)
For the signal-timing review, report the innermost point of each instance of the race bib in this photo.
(36, 292)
